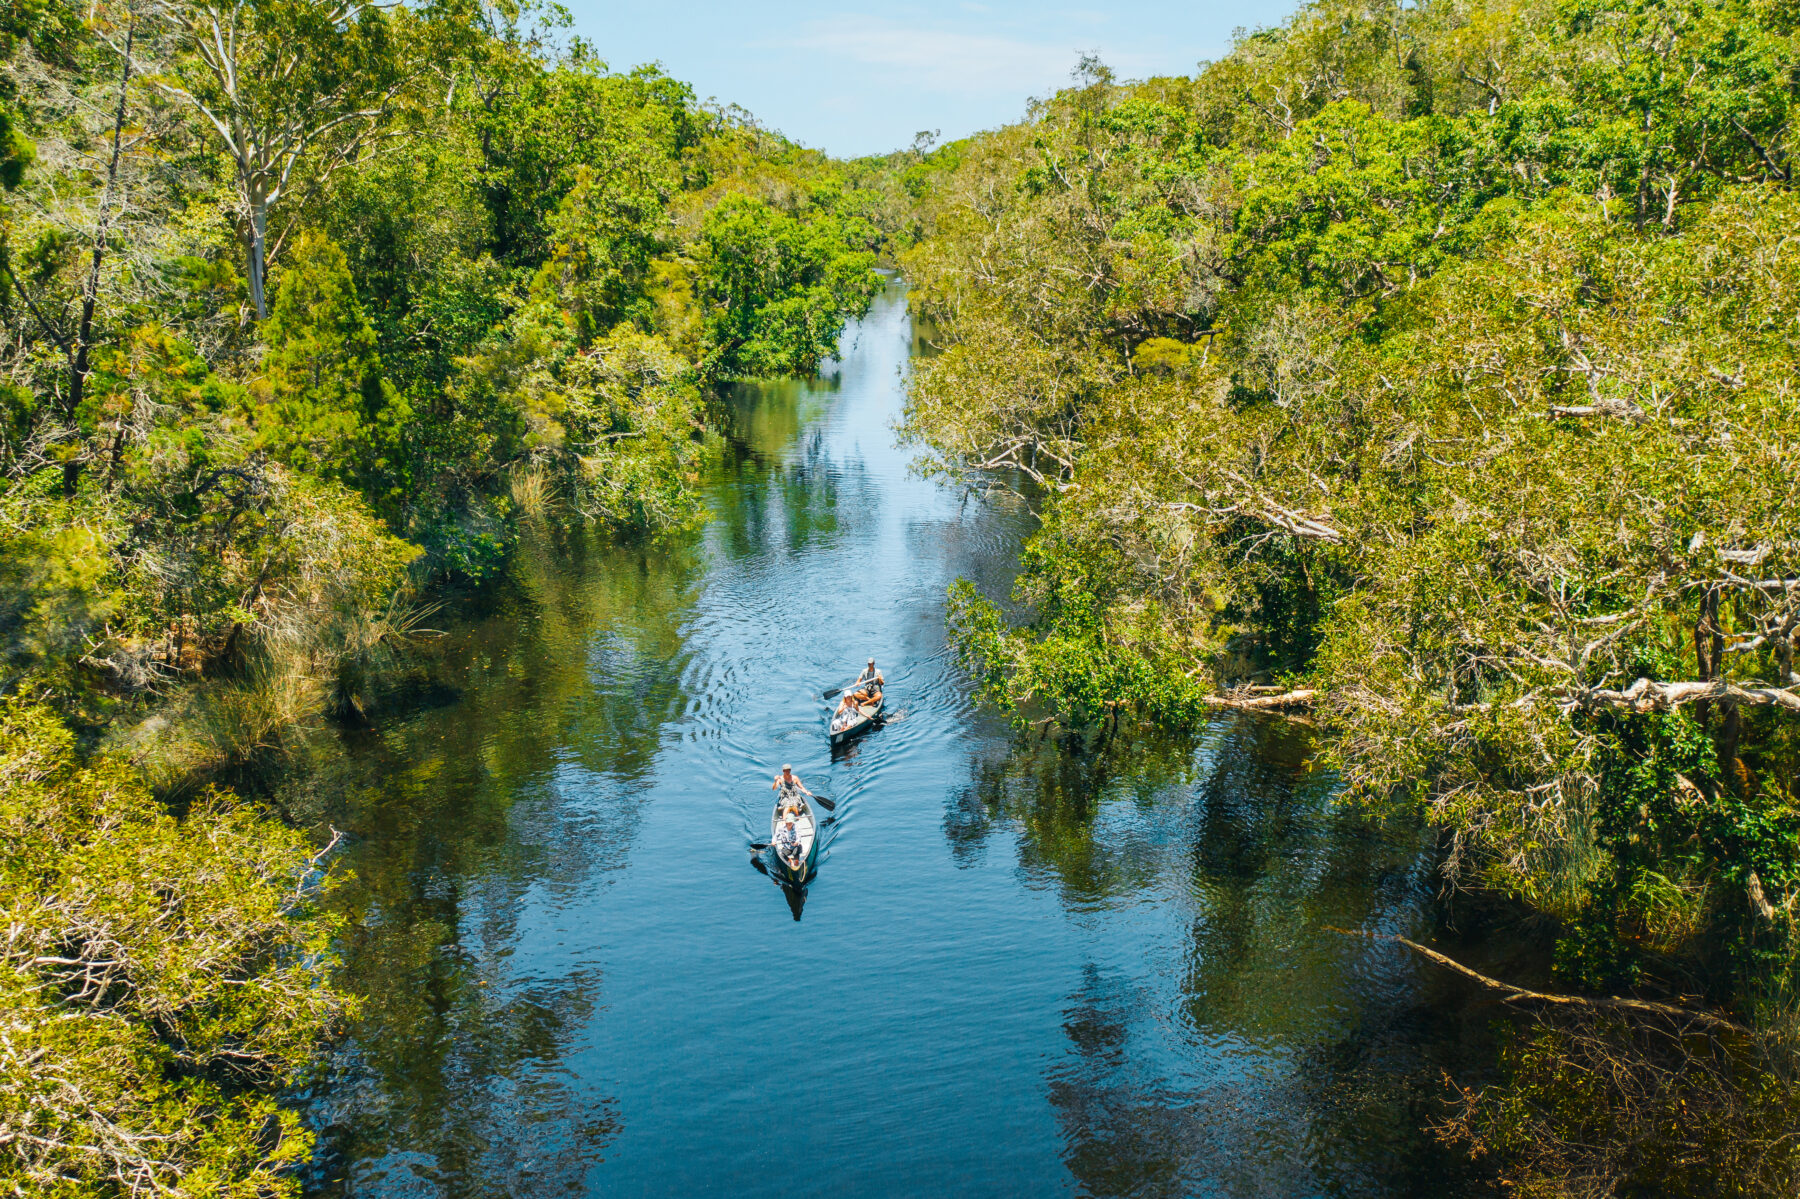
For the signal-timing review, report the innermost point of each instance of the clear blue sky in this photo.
(855, 78)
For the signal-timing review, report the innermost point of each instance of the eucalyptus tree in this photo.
(294, 91)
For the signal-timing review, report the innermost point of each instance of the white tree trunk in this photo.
(255, 251)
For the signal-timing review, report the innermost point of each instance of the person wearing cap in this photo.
(787, 844)
(872, 677)
(789, 790)
(788, 786)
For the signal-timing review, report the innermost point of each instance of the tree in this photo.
(162, 979)
(295, 90)
(579, 144)
(325, 406)
(65, 282)
(778, 287)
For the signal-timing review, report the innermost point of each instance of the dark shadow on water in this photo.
(525, 776)
(1276, 1057)
(794, 893)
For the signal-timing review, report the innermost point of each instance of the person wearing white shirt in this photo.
(787, 845)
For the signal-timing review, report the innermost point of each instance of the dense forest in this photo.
(1423, 371)
(1430, 370)
(306, 306)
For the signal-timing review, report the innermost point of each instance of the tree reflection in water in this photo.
(1223, 1039)
(469, 821)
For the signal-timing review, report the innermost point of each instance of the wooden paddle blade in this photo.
(830, 805)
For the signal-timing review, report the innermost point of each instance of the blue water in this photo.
(1028, 965)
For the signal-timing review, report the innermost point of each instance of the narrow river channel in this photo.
(1024, 968)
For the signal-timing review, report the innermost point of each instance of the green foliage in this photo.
(579, 146)
(1602, 1107)
(1352, 203)
(1592, 957)
(777, 287)
(415, 233)
(635, 406)
(1437, 360)
(292, 91)
(1094, 646)
(327, 409)
(162, 981)
(16, 150)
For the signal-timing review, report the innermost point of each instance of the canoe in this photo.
(807, 828)
(862, 722)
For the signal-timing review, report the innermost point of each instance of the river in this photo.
(1025, 967)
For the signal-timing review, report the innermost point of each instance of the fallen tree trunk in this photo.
(1522, 995)
(1645, 695)
(1286, 699)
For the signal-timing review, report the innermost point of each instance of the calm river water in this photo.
(1023, 968)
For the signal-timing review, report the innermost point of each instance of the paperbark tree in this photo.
(294, 90)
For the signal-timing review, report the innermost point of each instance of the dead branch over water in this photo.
(1514, 994)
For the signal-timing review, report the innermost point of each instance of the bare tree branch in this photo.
(1514, 994)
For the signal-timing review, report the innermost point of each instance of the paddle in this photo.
(837, 691)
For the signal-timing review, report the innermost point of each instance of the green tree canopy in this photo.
(327, 407)
(777, 286)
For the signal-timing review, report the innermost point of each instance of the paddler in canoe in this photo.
(851, 705)
(793, 818)
(864, 692)
(787, 844)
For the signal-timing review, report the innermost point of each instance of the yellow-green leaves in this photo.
(161, 979)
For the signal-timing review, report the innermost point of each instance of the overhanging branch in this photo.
(1648, 696)
(1642, 1007)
